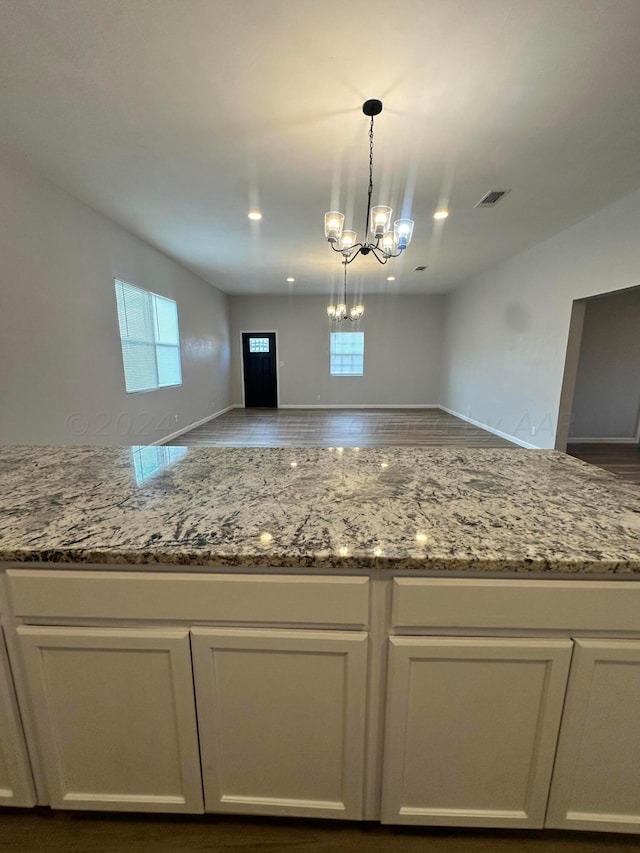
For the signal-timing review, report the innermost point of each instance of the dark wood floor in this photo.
(338, 428)
(62, 832)
(620, 459)
(378, 428)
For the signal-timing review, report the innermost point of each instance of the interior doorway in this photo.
(600, 399)
(259, 370)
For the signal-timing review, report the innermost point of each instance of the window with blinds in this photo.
(347, 353)
(150, 339)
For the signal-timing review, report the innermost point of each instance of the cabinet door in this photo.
(16, 783)
(115, 715)
(471, 730)
(281, 716)
(596, 778)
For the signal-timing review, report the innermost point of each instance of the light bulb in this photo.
(403, 231)
(388, 243)
(380, 219)
(347, 241)
(333, 224)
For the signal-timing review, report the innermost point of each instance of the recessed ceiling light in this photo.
(441, 214)
(291, 278)
(391, 278)
(255, 215)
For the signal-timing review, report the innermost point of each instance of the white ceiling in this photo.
(173, 117)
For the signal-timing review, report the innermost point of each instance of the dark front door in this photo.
(259, 360)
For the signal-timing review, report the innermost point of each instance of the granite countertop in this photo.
(440, 509)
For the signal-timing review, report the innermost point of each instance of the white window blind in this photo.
(150, 338)
(347, 353)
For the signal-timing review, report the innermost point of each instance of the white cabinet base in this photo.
(115, 715)
(471, 730)
(596, 781)
(281, 715)
(16, 784)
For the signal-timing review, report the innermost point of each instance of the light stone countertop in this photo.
(436, 510)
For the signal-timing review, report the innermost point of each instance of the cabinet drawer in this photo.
(212, 598)
(460, 603)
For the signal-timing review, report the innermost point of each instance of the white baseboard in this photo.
(359, 406)
(193, 425)
(600, 440)
(498, 432)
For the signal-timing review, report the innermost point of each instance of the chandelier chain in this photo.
(345, 281)
(366, 226)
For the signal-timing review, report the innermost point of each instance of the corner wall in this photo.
(401, 351)
(61, 374)
(506, 330)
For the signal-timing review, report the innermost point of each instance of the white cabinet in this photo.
(115, 714)
(281, 716)
(471, 729)
(434, 701)
(16, 784)
(596, 781)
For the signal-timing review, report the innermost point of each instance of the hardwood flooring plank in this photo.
(338, 428)
(42, 831)
(620, 459)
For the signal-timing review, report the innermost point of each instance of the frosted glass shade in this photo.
(347, 240)
(380, 219)
(333, 225)
(403, 230)
(388, 243)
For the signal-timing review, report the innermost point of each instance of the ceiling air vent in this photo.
(491, 198)
(420, 269)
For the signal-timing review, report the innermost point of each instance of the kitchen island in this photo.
(440, 510)
(430, 636)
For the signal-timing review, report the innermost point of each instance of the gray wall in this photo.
(61, 376)
(607, 394)
(401, 357)
(507, 329)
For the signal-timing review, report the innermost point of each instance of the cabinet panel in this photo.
(471, 730)
(596, 780)
(310, 600)
(115, 716)
(521, 604)
(281, 716)
(16, 783)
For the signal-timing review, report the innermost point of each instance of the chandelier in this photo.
(386, 242)
(339, 312)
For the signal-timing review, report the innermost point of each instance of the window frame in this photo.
(350, 355)
(158, 344)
